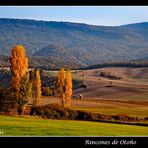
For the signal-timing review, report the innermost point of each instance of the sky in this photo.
(94, 15)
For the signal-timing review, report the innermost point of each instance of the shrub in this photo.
(108, 118)
(72, 114)
(121, 117)
(7, 100)
(37, 111)
(136, 118)
(46, 91)
(27, 111)
(116, 117)
(55, 111)
(125, 117)
(82, 115)
(97, 116)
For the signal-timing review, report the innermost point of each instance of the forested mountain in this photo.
(74, 44)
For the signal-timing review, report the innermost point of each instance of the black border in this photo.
(70, 141)
(76, 142)
(73, 2)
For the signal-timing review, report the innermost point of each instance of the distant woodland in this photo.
(52, 44)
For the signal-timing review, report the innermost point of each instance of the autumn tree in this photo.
(64, 82)
(46, 91)
(25, 93)
(19, 66)
(61, 85)
(68, 89)
(37, 88)
(32, 79)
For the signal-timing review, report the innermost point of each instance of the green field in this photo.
(29, 126)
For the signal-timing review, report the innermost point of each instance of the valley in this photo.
(73, 78)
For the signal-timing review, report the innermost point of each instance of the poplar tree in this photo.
(68, 89)
(61, 85)
(20, 81)
(19, 66)
(64, 82)
(32, 79)
(25, 93)
(37, 88)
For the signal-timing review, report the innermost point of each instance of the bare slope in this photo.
(134, 81)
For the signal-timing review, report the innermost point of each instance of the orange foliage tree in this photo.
(19, 66)
(64, 82)
(32, 79)
(61, 84)
(68, 89)
(38, 92)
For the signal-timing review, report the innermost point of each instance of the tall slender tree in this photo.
(64, 83)
(68, 90)
(19, 66)
(37, 88)
(32, 79)
(61, 85)
(25, 93)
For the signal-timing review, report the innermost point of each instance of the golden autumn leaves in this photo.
(64, 82)
(68, 91)
(26, 86)
(20, 80)
(21, 83)
(19, 66)
(37, 85)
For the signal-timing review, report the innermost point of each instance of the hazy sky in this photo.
(97, 15)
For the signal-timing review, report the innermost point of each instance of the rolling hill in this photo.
(74, 44)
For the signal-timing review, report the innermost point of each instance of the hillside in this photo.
(74, 44)
(116, 83)
(44, 62)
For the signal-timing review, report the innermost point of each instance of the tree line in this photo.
(134, 64)
(26, 85)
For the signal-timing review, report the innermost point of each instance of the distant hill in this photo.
(42, 62)
(143, 25)
(74, 44)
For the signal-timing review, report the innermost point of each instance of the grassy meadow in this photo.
(31, 126)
